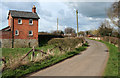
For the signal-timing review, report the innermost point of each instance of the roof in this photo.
(23, 14)
(8, 28)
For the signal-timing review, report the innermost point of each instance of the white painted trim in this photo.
(30, 23)
(21, 21)
(31, 34)
(17, 32)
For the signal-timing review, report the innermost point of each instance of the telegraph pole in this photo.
(77, 21)
(57, 24)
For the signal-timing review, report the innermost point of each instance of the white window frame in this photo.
(20, 22)
(30, 23)
(17, 32)
(31, 34)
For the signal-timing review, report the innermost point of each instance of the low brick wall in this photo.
(19, 43)
(6, 43)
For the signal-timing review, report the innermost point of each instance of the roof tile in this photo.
(24, 14)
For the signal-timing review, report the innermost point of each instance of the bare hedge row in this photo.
(113, 40)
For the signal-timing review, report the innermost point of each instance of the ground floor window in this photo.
(16, 32)
(30, 33)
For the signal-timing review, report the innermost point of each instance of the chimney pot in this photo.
(34, 9)
(33, 6)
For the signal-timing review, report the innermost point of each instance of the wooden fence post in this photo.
(4, 62)
(33, 54)
(37, 57)
(42, 53)
(48, 52)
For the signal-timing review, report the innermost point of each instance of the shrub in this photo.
(67, 43)
(112, 40)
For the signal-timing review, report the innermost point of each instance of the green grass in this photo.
(32, 67)
(119, 64)
(112, 64)
(15, 52)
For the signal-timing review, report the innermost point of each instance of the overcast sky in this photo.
(91, 14)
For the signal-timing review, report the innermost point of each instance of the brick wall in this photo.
(5, 34)
(24, 29)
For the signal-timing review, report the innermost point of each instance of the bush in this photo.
(67, 43)
(112, 40)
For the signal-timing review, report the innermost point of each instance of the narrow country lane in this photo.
(90, 62)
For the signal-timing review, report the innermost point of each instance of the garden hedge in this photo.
(68, 42)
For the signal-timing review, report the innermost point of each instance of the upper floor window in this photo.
(16, 32)
(30, 33)
(30, 21)
(19, 21)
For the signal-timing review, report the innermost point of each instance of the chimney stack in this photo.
(34, 9)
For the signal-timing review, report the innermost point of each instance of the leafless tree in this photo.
(114, 13)
(69, 30)
(60, 32)
(105, 29)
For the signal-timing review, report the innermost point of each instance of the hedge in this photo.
(112, 40)
(68, 42)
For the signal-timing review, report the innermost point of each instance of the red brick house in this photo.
(22, 30)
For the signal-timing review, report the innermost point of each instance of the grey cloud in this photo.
(26, 6)
(50, 19)
(61, 12)
(43, 12)
(91, 9)
(96, 10)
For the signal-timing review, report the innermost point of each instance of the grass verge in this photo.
(112, 64)
(33, 67)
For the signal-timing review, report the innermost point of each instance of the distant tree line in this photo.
(67, 30)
